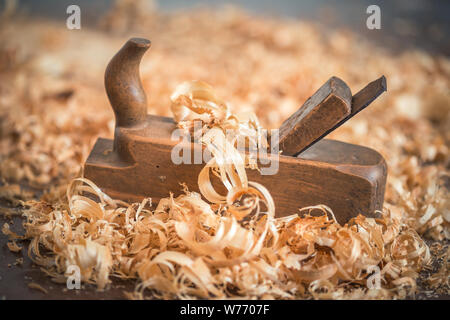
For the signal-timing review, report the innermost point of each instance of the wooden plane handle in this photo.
(123, 84)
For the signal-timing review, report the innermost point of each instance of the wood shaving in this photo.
(34, 285)
(13, 247)
(184, 248)
(11, 234)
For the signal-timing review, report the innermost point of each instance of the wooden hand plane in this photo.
(348, 178)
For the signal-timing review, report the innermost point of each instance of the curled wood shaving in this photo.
(197, 100)
(186, 249)
(14, 194)
(13, 247)
(34, 285)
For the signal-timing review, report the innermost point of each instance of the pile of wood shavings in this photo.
(57, 93)
(188, 248)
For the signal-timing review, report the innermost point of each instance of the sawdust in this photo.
(53, 107)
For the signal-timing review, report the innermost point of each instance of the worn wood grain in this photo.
(349, 179)
(354, 184)
(322, 111)
(359, 102)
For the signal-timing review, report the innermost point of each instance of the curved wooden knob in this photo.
(123, 84)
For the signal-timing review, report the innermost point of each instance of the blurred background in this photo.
(260, 55)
